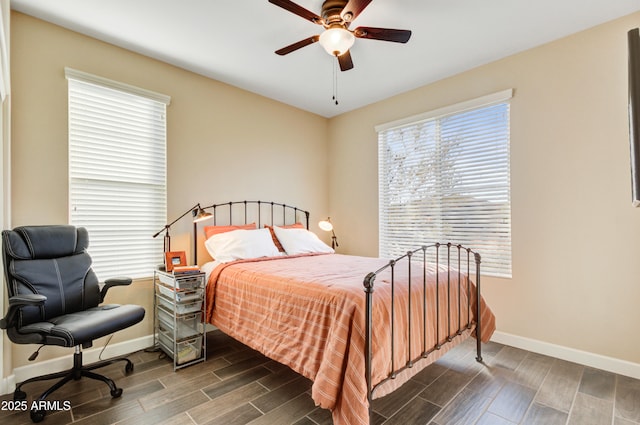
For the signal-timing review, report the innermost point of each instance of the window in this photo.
(117, 172)
(444, 177)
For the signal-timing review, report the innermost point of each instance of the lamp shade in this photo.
(201, 215)
(336, 41)
(326, 225)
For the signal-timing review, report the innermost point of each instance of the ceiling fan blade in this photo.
(345, 61)
(298, 45)
(353, 9)
(298, 10)
(385, 34)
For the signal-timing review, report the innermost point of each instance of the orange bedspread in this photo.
(307, 312)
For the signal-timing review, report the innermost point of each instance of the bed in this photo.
(358, 327)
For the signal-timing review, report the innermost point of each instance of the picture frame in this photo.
(173, 259)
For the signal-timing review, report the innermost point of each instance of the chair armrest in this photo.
(18, 301)
(116, 281)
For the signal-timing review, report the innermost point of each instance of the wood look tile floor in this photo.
(238, 386)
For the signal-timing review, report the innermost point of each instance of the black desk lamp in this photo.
(198, 215)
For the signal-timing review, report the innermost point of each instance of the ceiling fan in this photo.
(337, 38)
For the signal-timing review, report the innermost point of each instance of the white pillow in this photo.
(241, 245)
(300, 241)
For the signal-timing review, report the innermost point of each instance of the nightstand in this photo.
(179, 325)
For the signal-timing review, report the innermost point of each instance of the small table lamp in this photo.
(327, 226)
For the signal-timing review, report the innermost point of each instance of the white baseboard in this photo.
(7, 384)
(22, 373)
(585, 358)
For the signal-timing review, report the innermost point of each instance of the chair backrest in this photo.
(52, 261)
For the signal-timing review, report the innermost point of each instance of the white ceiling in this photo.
(234, 40)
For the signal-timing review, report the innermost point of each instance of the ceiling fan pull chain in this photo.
(335, 81)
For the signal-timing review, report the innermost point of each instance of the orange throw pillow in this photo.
(214, 230)
(275, 238)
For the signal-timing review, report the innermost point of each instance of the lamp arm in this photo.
(167, 226)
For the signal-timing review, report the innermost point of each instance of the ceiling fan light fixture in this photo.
(337, 41)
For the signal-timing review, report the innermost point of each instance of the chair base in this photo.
(75, 373)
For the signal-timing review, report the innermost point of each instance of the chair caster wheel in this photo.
(128, 368)
(116, 393)
(37, 415)
(19, 395)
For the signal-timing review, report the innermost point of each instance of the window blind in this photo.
(445, 177)
(117, 173)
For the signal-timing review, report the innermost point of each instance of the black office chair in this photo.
(54, 298)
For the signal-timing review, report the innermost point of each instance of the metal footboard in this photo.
(423, 256)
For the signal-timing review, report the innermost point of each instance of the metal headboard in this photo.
(260, 212)
(261, 209)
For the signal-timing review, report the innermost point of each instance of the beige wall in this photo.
(576, 237)
(223, 143)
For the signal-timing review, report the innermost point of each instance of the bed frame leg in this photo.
(478, 311)
(368, 350)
